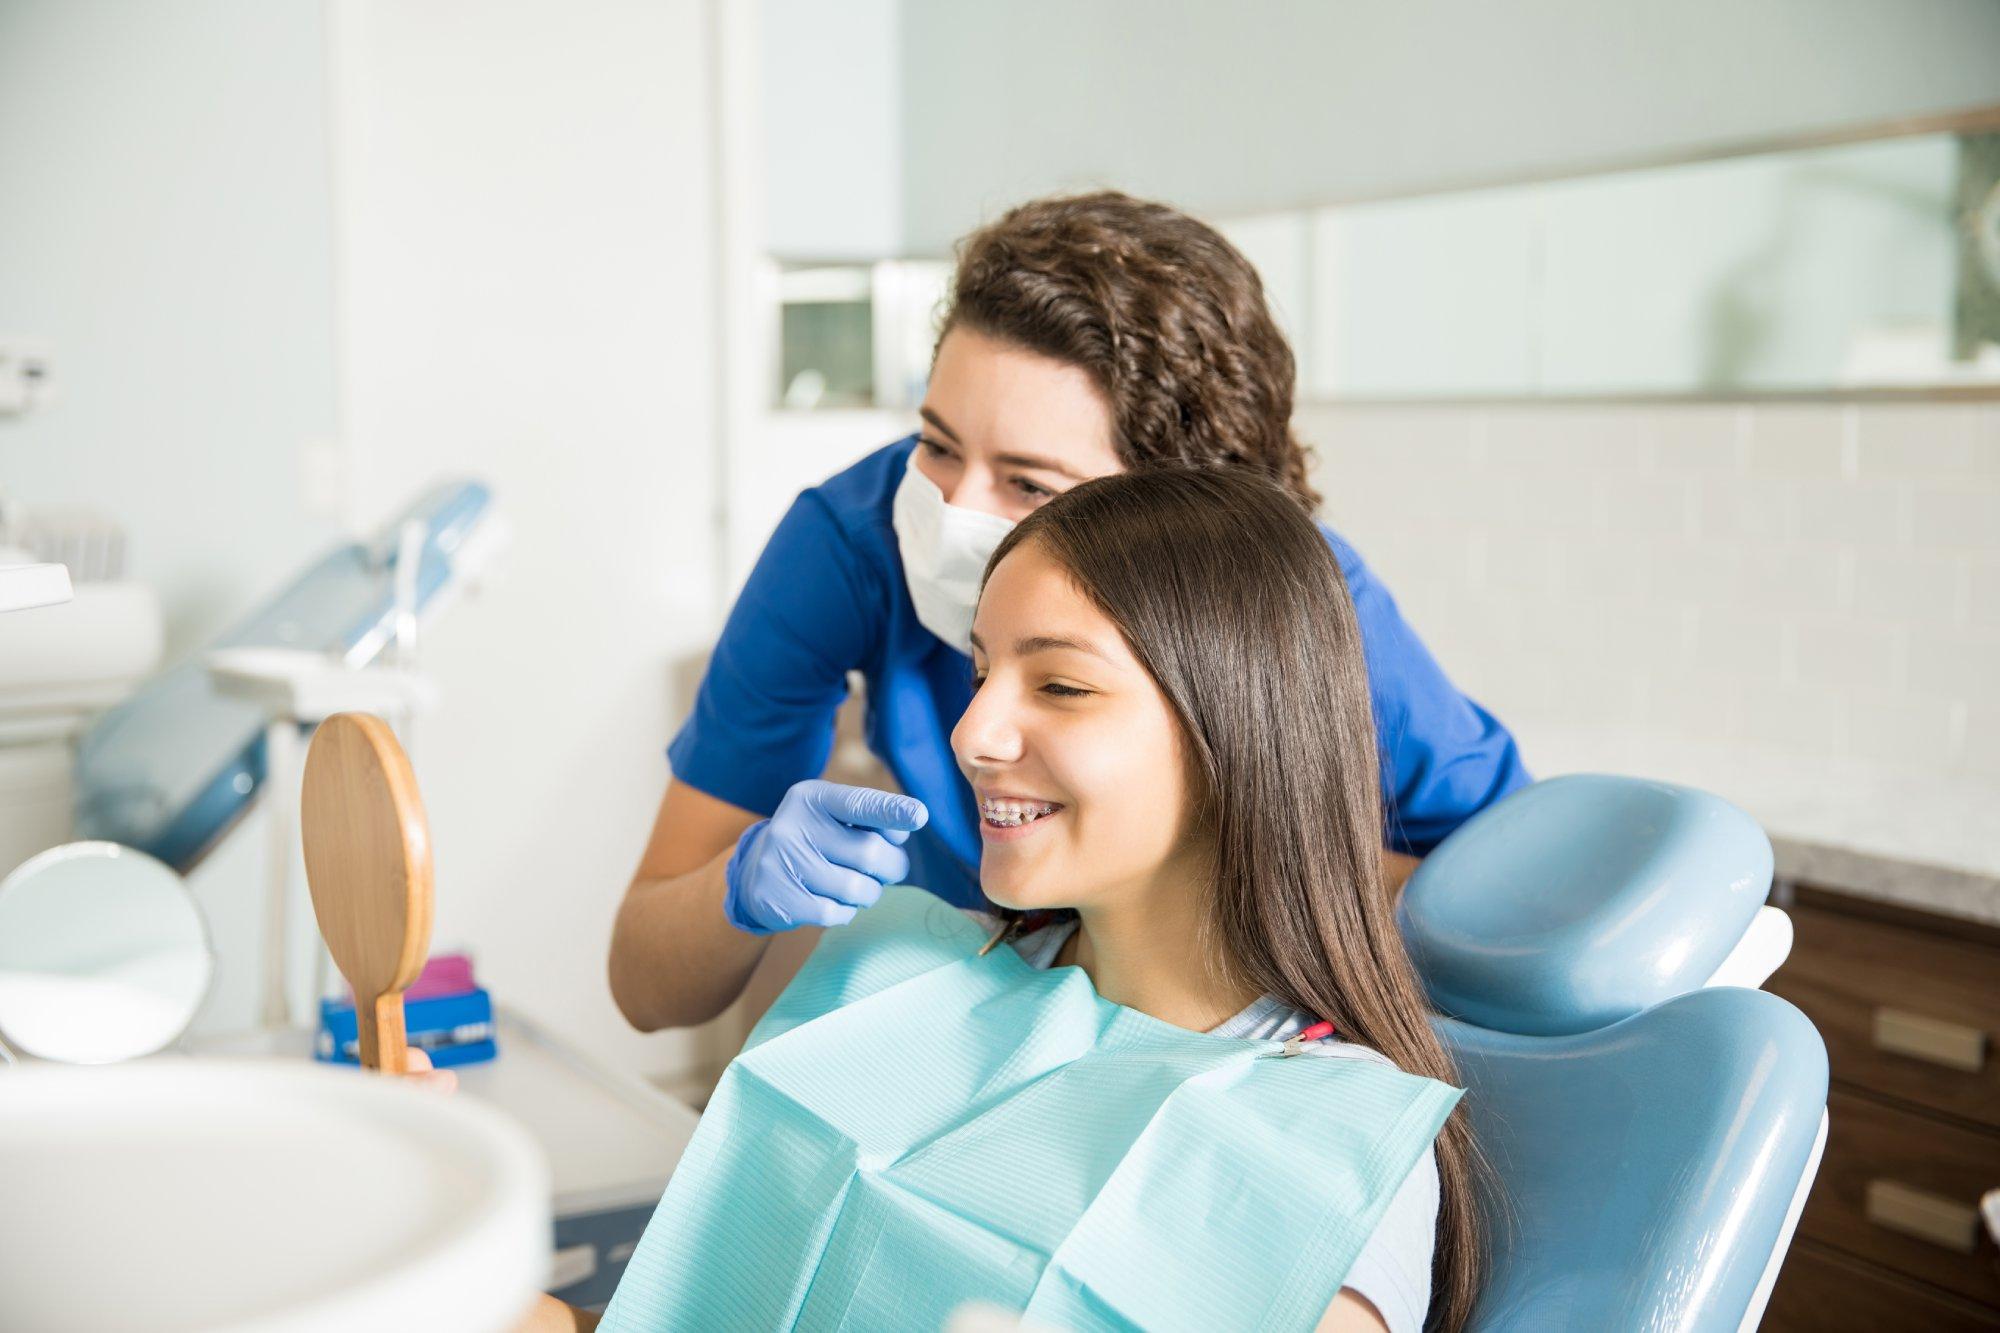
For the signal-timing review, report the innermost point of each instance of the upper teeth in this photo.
(1014, 812)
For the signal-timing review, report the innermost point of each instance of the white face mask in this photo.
(945, 550)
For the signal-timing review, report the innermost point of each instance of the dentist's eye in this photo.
(933, 448)
(1030, 491)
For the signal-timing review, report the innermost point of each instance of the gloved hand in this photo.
(821, 858)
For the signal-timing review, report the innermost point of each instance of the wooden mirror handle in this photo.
(379, 1026)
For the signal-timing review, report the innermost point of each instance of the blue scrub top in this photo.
(827, 597)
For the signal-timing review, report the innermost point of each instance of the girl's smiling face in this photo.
(1074, 755)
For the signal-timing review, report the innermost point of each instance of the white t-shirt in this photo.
(1393, 1269)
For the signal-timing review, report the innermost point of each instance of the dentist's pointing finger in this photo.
(823, 855)
(894, 817)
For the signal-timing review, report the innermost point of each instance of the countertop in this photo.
(1914, 838)
(611, 1139)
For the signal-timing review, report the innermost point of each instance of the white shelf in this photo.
(24, 586)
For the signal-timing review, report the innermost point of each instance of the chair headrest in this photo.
(1581, 900)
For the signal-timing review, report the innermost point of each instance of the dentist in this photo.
(1084, 336)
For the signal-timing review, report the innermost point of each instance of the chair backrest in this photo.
(1648, 1137)
(1645, 1172)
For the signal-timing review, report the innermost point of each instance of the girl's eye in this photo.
(978, 679)
(1063, 691)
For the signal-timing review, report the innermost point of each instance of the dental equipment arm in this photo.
(172, 769)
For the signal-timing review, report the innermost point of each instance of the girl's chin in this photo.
(1017, 897)
(999, 897)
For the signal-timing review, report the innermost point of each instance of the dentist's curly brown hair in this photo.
(1164, 314)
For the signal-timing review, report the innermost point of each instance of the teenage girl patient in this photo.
(1172, 745)
(1170, 660)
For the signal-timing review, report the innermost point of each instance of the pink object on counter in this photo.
(446, 974)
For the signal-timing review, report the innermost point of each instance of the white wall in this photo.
(1817, 584)
(483, 244)
(1228, 109)
(165, 226)
(829, 84)
(826, 184)
(526, 245)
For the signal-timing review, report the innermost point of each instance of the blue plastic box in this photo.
(453, 1029)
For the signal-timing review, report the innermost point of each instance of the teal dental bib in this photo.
(914, 1127)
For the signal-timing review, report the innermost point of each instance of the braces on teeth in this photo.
(1013, 814)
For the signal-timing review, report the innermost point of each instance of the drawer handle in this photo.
(1927, 1217)
(1953, 1045)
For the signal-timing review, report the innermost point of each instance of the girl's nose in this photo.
(986, 735)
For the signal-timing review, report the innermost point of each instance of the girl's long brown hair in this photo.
(1232, 600)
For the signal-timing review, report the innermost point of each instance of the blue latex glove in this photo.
(821, 858)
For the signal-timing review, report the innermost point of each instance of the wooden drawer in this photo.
(1878, 991)
(1822, 1292)
(1927, 1170)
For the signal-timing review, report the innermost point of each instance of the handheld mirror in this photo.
(368, 862)
(103, 955)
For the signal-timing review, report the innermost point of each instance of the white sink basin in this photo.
(237, 1195)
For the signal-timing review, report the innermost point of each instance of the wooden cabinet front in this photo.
(1909, 1006)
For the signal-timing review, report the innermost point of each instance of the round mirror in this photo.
(103, 955)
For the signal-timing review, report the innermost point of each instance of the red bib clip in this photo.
(1319, 1031)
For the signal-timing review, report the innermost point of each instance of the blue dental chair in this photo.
(1652, 1120)
(172, 769)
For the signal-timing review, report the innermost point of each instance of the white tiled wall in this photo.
(1820, 580)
